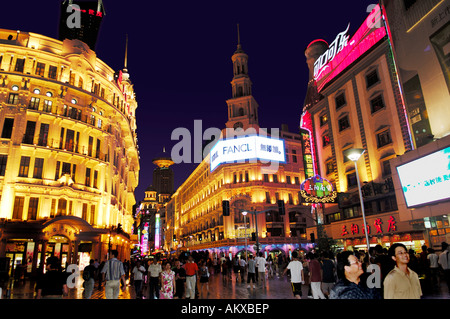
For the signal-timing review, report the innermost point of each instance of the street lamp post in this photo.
(354, 154)
(245, 232)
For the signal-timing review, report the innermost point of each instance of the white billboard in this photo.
(426, 179)
(240, 149)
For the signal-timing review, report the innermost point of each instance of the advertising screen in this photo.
(426, 179)
(247, 148)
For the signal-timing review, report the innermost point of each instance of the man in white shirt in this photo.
(138, 272)
(261, 265)
(444, 261)
(296, 269)
(154, 271)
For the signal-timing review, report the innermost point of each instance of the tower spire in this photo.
(239, 46)
(126, 53)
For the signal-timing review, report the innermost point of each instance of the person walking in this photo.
(113, 274)
(295, 268)
(138, 277)
(204, 279)
(350, 286)
(154, 272)
(315, 269)
(261, 266)
(53, 284)
(89, 279)
(433, 267)
(402, 282)
(328, 271)
(242, 265)
(251, 271)
(444, 262)
(180, 280)
(236, 267)
(191, 269)
(168, 287)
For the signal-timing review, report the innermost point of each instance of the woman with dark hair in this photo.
(350, 285)
(168, 287)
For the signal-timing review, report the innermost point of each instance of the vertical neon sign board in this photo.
(157, 240)
(349, 50)
(309, 159)
(144, 241)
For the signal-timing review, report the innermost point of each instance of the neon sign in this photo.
(317, 190)
(308, 144)
(157, 240)
(144, 239)
(377, 223)
(344, 52)
(247, 148)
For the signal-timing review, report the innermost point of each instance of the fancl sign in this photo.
(241, 149)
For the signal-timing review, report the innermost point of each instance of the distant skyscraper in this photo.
(163, 174)
(89, 20)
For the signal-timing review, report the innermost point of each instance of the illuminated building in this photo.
(354, 101)
(419, 33)
(68, 149)
(89, 15)
(194, 214)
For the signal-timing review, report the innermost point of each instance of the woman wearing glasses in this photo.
(350, 285)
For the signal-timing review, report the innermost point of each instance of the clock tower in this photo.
(242, 107)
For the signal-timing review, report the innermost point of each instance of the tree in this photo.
(325, 243)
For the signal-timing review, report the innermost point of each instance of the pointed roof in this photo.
(239, 46)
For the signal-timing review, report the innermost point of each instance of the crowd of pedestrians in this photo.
(402, 274)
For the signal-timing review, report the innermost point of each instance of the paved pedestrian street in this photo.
(276, 288)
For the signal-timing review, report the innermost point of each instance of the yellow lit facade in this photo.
(68, 151)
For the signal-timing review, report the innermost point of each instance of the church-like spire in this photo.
(239, 46)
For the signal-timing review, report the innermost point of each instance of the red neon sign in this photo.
(365, 38)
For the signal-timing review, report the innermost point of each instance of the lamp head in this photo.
(354, 153)
(244, 213)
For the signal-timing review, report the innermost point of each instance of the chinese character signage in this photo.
(374, 227)
(318, 190)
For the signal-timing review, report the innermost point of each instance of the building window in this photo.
(323, 119)
(48, 106)
(18, 207)
(7, 128)
(84, 212)
(340, 101)
(62, 207)
(268, 198)
(33, 208)
(376, 103)
(88, 177)
(351, 180)
(266, 178)
(288, 180)
(52, 71)
(38, 166)
(344, 123)
(92, 217)
(58, 167)
(384, 138)
(386, 166)
(53, 208)
(70, 140)
(3, 162)
(297, 180)
(20, 63)
(275, 178)
(294, 156)
(29, 133)
(72, 78)
(24, 166)
(13, 98)
(40, 69)
(91, 142)
(330, 167)
(409, 3)
(43, 134)
(34, 103)
(372, 78)
(325, 140)
(95, 179)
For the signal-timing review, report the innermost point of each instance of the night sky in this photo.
(179, 58)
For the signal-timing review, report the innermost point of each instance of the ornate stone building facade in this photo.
(68, 150)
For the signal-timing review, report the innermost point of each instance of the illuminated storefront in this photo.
(354, 101)
(68, 152)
